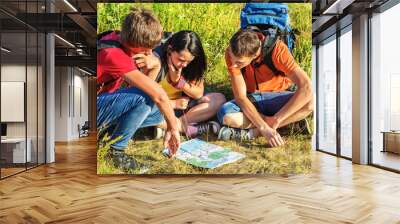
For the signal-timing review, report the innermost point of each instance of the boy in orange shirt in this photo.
(261, 103)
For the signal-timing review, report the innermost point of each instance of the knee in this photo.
(215, 99)
(310, 106)
(138, 97)
(230, 120)
(219, 98)
(222, 112)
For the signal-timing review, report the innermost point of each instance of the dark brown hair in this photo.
(245, 43)
(190, 41)
(141, 28)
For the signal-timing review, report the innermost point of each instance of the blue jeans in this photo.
(267, 103)
(127, 109)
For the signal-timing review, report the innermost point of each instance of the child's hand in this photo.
(182, 103)
(273, 137)
(172, 141)
(272, 122)
(147, 61)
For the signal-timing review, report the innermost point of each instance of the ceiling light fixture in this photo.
(5, 50)
(65, 41)
(337, 7)
(84, 71)
(70, 5)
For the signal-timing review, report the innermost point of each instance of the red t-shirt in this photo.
(112, 64)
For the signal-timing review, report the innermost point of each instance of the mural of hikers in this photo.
(204, 88)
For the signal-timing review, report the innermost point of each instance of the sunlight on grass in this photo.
(215, 24)
(293, 158)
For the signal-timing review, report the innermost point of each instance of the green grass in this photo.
(293, 158)
(215, 24)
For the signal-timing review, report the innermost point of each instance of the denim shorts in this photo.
(267, 103)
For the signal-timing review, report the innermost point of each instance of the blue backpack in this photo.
(272, 20)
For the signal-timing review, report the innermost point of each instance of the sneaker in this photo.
(304, 127)
(122, 160)
(299, 127)
(227, 133)
(158, 133)
(205, 128)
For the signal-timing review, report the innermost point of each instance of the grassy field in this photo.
(292, 158)
(215, 24)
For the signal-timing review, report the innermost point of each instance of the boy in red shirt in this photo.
(121, 111)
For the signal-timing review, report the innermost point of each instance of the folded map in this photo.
(206, 155)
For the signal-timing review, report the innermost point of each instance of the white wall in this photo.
(34, 124)
(79, 102)
(71, 93)
(61, 103)
(13, 73)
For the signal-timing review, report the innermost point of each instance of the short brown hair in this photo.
(245, 43)
(141, 28)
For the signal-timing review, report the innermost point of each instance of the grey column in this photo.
(50, 92)
(360, 90)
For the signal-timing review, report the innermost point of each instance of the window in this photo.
(346, 75)
(385, 88)
(327, 96)
(21, 75)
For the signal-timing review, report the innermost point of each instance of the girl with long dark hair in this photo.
(183, 65)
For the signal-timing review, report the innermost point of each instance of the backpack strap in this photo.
(103, 44)
(158, 52)
(105, 33)
(268, 49)
(161, 74)
(100, 86)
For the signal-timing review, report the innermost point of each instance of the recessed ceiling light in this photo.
(71, 6)
(86, 72)
(5, 50)
(337, 7)
(65, 41)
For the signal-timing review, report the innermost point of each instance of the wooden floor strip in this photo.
(70, 191)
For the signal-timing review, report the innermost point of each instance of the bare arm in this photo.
(249, 110)
(300, 98)
(194, 90)
(151, 64)
(152, 73)
(158, 95)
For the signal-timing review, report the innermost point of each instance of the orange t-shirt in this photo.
(267, 80)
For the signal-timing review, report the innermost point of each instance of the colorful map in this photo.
(206, 155)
